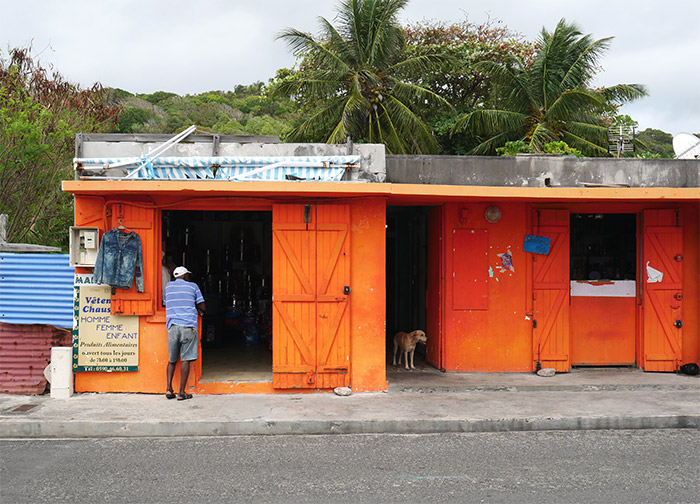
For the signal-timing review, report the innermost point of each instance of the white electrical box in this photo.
(84, 245)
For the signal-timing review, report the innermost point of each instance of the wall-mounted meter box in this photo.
(84, 244)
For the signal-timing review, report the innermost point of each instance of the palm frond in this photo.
(512, 78)
(489, 146)
(582, 68)
(480, 122)
(417, 65)
(385, 37)
(312, 128)
(540, 135)
(586, 147)
(301, 43)
(570, 102)
(412, 127)
(413, 93)
(623, 93)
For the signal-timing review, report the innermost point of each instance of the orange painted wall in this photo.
(368, 372)
(602, 330)
(153, 347)
(498, 338)
(368, 296)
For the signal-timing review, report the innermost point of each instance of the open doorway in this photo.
(406, 274)
(230, 256)
(603, 270)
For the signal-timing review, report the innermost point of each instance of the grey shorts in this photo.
(182, 341)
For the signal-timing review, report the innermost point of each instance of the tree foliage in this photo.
(457, 78)
(551, 98)
(654, 143)
(351, 80)
(519, 147)
(247, 110)
(40, 114)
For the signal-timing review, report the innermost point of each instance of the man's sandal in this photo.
(170, 394)
(182, 397)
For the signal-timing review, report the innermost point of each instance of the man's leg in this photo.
(184, 375)
(170, 372)
(173, 353)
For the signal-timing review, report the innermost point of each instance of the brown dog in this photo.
(407, 343)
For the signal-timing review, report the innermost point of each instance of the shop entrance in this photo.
(406, 275)
(230, 256)
(603, 272)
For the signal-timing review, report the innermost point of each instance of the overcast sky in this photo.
(195, 46)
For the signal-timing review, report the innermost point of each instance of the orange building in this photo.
(506, 264)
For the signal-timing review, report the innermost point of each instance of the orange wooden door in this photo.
(662, 301)
(310, 269)
(433, 298)
(550, 292)
(333, 275)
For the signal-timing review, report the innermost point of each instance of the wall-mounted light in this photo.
(492, 214)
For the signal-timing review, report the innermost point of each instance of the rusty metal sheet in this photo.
(25, 350)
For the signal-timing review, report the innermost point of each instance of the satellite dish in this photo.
(686, 146)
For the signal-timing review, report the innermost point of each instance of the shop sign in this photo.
(102, 341)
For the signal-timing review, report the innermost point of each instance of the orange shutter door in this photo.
(293, 297)
(550, 345)
(142, 221)
(662, 301)
(311, 320)
(333, 274)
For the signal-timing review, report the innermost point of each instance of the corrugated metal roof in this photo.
(36, 289)
(280, 168)
(25, 350)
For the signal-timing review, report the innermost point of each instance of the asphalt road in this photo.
(581, 466)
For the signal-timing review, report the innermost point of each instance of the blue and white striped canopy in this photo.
(237, 168)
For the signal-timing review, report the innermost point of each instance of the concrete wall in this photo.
(372, 159)
(540, 171)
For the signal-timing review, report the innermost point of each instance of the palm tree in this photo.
(352, 81)
(551, 98)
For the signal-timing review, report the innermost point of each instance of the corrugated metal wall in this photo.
(25, 350)
(36, 289)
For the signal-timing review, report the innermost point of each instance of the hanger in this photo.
(121, 226)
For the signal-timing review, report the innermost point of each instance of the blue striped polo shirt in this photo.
(181, 298)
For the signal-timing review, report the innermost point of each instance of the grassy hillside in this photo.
(247, 110)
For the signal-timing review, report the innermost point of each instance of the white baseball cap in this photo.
(180, 271)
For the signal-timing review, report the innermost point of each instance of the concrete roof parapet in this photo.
(542, 171)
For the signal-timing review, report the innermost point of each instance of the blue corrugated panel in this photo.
(36, 289)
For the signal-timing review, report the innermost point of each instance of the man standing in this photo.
(183, 302)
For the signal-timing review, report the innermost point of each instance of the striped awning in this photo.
(235, 168)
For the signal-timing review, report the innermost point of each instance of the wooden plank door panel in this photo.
(139, 220)
(294, 298)
(333, 273)
(551, 282)
(662, 302)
